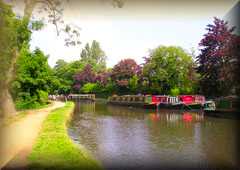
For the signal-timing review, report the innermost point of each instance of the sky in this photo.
(134, 29)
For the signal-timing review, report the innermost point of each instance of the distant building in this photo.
(233, 17)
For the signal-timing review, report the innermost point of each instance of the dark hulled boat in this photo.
(190, 102)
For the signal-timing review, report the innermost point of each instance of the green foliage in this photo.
(64, 72)
(168, 70)
(175, 91)
(109, 89)
(218, 61)
(33, 79)
(94, 56)
(169, 67)
(26, 101)
(122, 73)
(14, 34)
(8, 41)
(23, 33)
(36, 25)
(89, 88)
(133, 84)
(43, 96)
(187, 90)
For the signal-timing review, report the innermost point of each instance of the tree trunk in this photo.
(28, 9)
(7, 107)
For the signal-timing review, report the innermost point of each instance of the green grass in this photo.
(55, 150)
(20, 106)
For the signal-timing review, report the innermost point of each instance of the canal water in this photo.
(127, 137)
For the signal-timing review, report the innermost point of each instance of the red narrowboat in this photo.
(190, 101)
(157, 99)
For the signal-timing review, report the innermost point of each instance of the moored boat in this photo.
(190, 102)
(178, 102)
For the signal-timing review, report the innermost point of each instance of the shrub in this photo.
(89, 88)
(175, 91)
(42, 97)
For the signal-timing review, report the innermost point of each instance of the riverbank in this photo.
(54, 149)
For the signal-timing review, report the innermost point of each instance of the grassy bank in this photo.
(55, 150)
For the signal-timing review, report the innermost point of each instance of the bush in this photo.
(89, 88)
(175, 91)
(26, 101)
(42, 97)
(187, 90)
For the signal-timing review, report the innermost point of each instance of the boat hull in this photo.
(179, 106)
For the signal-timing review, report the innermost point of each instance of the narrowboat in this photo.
(178, 102)
(160, 101)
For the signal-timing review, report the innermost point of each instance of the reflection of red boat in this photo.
(174, 117)
(154, 117)
(187, 117)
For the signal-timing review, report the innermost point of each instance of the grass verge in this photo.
(55, 150)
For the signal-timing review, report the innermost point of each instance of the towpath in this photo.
(17, 138)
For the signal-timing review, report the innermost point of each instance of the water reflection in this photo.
(122, 136)
(177, 116)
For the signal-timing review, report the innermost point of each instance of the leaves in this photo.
(167, 68)
(94, 56)
(214, 59)
(85, 76)
(124, 70)
(34, 77)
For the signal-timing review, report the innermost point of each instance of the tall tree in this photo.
(33, 79)
(215, 59)
(168, 68)
(64, 72)
(13, 34)
(103, 77)
(123, 72)
(12, 45)
(94, 56)
(85, 76)
(234, 48)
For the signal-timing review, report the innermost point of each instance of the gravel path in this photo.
(18, 138)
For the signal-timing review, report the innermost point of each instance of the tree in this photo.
(234, 48)
(33, 79)
(13, 34)
(134, 84)
(103, 78)
(85, 76)
(94, 56)
(124, 70)
(169, 68)
(12, 42)
(64, 72)
(89, 88)
(122, 73)
(215, 58)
